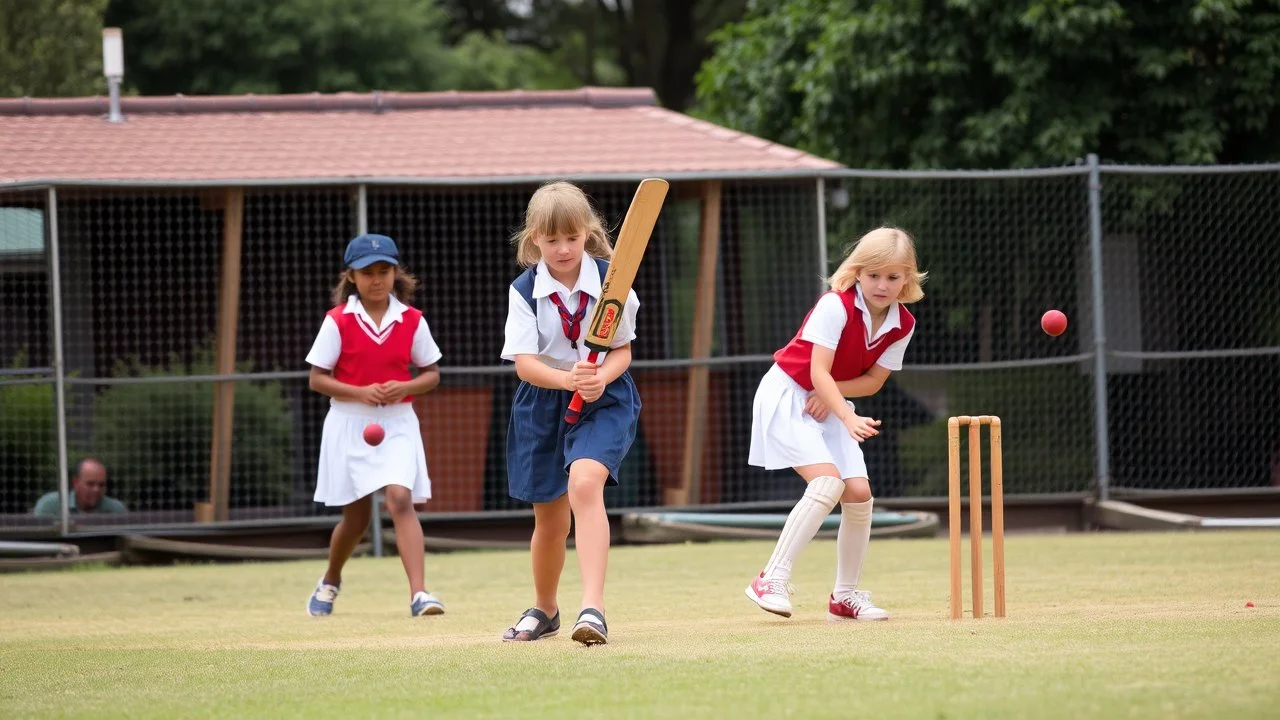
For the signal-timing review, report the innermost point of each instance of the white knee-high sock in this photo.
(802, 524)
(851, 544)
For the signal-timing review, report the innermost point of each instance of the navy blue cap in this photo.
(365, 250)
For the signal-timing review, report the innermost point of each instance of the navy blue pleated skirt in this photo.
(541, 445)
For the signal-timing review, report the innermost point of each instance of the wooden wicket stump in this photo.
(975, 424)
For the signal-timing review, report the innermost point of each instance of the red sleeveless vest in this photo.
(363, 360)
(853, 356)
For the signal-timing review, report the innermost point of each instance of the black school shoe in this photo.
(591, 628)
(546, 627)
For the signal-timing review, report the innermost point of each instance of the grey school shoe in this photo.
(321, 601)
(424, 603)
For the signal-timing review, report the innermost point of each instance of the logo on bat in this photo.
(607, 319)
(608, 278)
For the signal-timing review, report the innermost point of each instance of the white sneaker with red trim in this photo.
(771, 594)
(854, 605)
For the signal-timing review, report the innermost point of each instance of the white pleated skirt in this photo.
(351, 469)
(783, 435)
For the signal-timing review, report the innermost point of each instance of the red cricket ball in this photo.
(373, 433)
(1054, 322)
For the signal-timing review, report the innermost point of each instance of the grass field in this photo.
(1101, 625)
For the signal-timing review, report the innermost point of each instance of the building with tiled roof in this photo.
(393, 136)
(208, 231)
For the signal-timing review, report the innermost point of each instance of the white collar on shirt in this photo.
(891, 321)
(395, 311)
(588, 279)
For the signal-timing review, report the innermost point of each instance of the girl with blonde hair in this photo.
(563, 469)
(849, 343)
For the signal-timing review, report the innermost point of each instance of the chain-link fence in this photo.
(999, 250)
(28, 434)
(1193, 317)
(186, 316)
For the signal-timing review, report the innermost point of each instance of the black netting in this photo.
(28, 439)
(1189, 271)
(999, 253)
(1190, 312)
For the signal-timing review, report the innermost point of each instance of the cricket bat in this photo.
(628, 251)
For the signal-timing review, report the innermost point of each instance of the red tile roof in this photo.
(586, 132)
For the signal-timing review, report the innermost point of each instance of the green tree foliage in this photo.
(227, 47)
(242, 46)
(51, 48)
(982, 83)
(609, 42)
(482, 16)
(28, 442)
(238, 46)
(662, 44)
(154, 438)
(490, 62)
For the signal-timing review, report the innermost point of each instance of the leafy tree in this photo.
(239, 46)
(154, 437)
(484, 16)
(981, 83)
(28, 442)
(662, 44)
(606, 42)
(481, 62)
(51, 48)
(242, 46)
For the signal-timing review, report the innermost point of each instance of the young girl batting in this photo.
(361, 360)
(563, 469)
(851, 340)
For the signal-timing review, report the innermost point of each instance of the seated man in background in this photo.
(88, 493)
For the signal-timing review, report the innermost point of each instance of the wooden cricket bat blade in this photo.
(628, 251)
(615, 286)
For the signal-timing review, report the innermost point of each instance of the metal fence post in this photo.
(59, 363)
(362, 227)
(821, 189)
(1103, 470)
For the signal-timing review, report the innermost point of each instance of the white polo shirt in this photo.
(543, 335)
(328, 344)
(826, 324)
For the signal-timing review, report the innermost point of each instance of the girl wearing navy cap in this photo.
(562, 469)
(361, 359)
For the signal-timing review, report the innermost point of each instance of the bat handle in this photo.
(574, 413)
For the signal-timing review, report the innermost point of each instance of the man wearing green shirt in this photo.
(88, 493)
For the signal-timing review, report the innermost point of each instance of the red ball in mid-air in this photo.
(373, 433)
(1054, 322)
